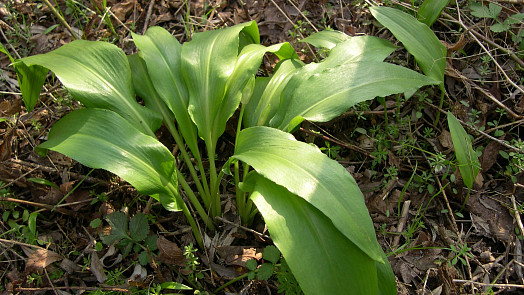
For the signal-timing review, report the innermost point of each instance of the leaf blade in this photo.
(418, 39)
(310, 174)
(317, 253)
(466, 156)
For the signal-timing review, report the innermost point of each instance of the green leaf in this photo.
(265, 100)
(322, 259)
(325, 95)
(500, 27)
(307, 172)
(514, 19)
(207, 63)
(95, 223)
(118, 222)
(480, 10)
(143, 258)
(98, 75)
(31, 222)
(466, 156)
(251, 264)
(174, 286)
(151, 242)
(138, 227)
(265, 271)
(326, 39)
(418, 39)
(271, 254)
(162, 54)
(102, 139)
(43, 182)
(30, 80)
(430, 10)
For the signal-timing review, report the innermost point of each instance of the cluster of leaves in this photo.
(309, 202)
(131, 236)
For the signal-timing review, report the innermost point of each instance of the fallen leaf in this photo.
(97, 268)
(39, 259)
(169, 252)
(238, 255)
(445, 139)
(7, 144)
(489, 155)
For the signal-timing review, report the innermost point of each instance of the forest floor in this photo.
(440, 238)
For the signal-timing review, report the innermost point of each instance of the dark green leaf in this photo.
(251, 264)
(271, 254)
(143, 258)
(138, 227)
(118, 222)
(265, 271)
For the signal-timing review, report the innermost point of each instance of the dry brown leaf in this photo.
(445, 139)
(121, 9)
(238, 255)
(39, 259)
(97, 268)
(7, 144)
(489, 155)
(169, 252)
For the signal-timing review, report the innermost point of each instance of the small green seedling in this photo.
(131, 236)
(493, 11)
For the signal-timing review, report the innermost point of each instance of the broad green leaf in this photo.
(138, 227)
(144, 87)
(100, 138)
(265, 100)
(322, 259)
(466, 156)
(98, 75)
(207, 63)
(118, 222)
(246, 67)
(355, 49)
(162, 54)
(311, 175)
(418, 39)
(325, 95)
(30, 80)
(326, 39)
(430, 10)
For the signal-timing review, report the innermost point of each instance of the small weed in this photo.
(192, 264)
(460, 253)
(131, 237)
(331, 151)
(516, 160)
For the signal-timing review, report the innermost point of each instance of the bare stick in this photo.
(148, 16)
(61, 19)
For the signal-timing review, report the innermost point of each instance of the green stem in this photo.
(189, 217)
(239, 195)
(213, 177)
(178, 140)
(230, 282)
(194, 200)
